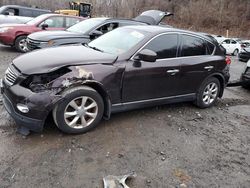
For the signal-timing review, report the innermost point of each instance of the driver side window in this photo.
(108, 27)
(165, 46)
(54, 22)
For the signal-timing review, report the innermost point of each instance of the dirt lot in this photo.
(166, 146)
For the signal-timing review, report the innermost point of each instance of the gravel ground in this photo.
(168, 146)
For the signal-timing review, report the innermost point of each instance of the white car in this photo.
(219, 38)
(232, 46)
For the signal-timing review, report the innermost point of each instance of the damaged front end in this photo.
(30, 98)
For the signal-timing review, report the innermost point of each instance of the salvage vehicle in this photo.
(15, 34)
(232, 46)
(19, 14)
(244, 54)
(90, 29)
(128, 68)
(245, 77)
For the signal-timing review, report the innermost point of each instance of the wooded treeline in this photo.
(212, 16)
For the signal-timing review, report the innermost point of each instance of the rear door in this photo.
(154, 80)
(196, 62)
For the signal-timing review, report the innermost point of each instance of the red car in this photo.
(15, 34)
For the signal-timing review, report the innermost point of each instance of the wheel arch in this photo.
(221, 79)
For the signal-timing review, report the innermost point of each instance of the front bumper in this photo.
(39, 104)
(6, 39)
(35, 125)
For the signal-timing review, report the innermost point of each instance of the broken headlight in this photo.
(42, 82)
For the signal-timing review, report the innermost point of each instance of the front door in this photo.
(154, 80)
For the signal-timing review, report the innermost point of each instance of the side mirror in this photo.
(44, 26)
(146, 55)
(94, 34)
(6, 13)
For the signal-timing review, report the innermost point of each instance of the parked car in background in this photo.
(232, 46)
(245, 77)
(19, 14)
(244, 54)
(130, 67)
(90, 29)
(219, 38)
(15, 34)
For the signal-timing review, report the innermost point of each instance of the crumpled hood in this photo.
(47, 60)
(53, 35)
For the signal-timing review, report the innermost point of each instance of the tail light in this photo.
(228, 60)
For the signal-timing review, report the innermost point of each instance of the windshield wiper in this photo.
(94, 48)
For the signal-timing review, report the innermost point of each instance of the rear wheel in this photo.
(208, 93)
(21, 44)
(80, 110)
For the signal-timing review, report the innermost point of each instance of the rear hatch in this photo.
(152, 17)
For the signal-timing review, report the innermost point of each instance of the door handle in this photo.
(173, 71)
(209, 67)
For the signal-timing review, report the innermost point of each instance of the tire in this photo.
(208, 93)
(235, 53)
(71, 117)
(20, 44)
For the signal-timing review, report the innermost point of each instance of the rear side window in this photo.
(210, 47)
(234, 42)
(71, 21)
(193, 46)
(26, 12)
(226, 41)
(108, 27)
(165, 46)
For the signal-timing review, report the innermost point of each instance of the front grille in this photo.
(11, 74)
(33, 44)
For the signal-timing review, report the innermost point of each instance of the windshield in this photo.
(117, 41)
(85, 25)
(37, 19)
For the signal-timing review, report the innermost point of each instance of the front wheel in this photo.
(208, 93)
(80, 110)
(21, 44)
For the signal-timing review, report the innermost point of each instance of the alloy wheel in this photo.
(23, 45)
(81, 112)
(210, 93)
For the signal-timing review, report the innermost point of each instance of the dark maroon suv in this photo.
(127, 68)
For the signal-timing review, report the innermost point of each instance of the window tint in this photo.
(71, 21)
(108, 27)
(210, 47)
(125, 23)
(193, 46)
(234, 42)
(54, 22)
(26, 12)
(226, 41)
(165, 46)
(12, 12)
